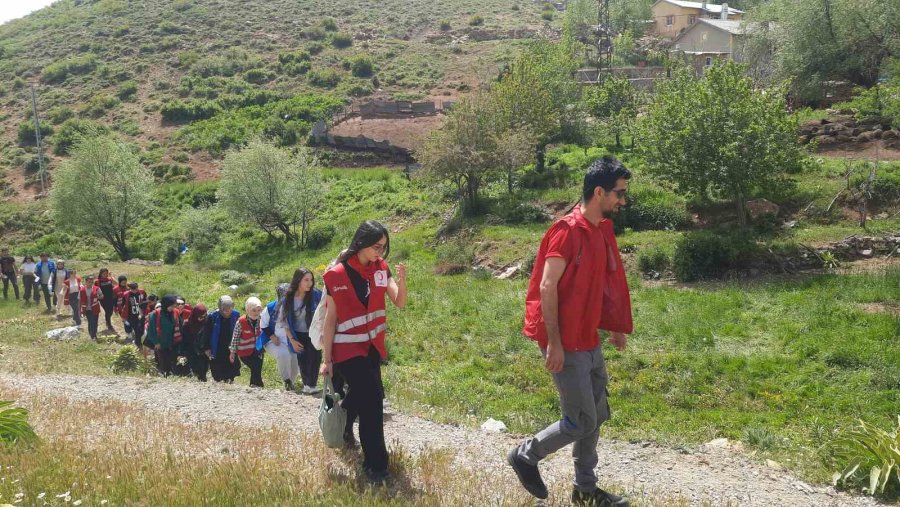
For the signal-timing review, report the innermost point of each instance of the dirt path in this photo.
(715, 474)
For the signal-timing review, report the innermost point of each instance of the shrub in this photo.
(868, 452)
(296, 69)
(231, 277)
(652, 207)
(201, 227)
(314, 33)
(547, 15)
(293, 57)
(324, 78)
(454, 257)
(98, 105)
(655, 260)
(524, 213)
(125, 360)
(476, 21)
(72, 131)
(341, 40)
(27, 134)
(445, 25)
(171, 172)
(232, 62)
(705, 254)
(328, 24)
(257, 76)
(14, 427)
(167, 27)
(58, 71)
(127, 90)
(362, 65)
(761, 438)
(320, 236)
(179, 111)
(315, 48)
(60, 114)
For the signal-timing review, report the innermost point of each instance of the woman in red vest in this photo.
(243, 341)
(90, 305)
(354, 330)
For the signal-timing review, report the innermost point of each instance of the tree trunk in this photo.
(741, 209)
(539, 165)
(509, 181)
(618, 140)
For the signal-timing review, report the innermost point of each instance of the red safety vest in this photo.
(247, 341)
(358, 327)
(95, 300)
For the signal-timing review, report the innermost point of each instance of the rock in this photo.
(856, 131)
(233, 287)
(866, 253)
(889, 135)
(876, 134)
(790, 225)
(773, 464)
(494, 426)
(509, 272)
(718, 442)
(842, 138)
(864, 137)
(881, 216)
(64, 333)
(760, 207)
(826, 140)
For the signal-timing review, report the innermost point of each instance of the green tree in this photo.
(614, 104)
(102, 190)
(824, 40)
(463, 151)
(272, 188)
(538, 92)
(720, 135)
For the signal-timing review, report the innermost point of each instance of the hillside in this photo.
(147, 69)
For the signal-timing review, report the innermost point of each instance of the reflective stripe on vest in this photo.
(359, 338)
(359, 321)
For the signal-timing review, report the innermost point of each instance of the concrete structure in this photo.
(709, 40)
(671, 18)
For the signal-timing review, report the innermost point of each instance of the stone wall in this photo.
(843, 128)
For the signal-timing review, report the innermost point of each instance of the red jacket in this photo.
(121, 295)
(358, 327)
(96, 294)
(593, 292)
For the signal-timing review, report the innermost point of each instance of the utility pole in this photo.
(604, 40)
(37, 135)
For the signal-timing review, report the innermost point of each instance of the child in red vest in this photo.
(90, 305)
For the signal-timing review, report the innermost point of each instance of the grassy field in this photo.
(782, 363)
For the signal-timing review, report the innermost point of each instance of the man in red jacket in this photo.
(577, 288)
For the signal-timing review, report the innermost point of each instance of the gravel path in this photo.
(716, 474)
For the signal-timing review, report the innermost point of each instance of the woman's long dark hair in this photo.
(287, 304)
(369, 233)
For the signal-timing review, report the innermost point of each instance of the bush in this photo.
(314, 33)
(57, 72)
(201, 227)
(320, 236)
(60, 114)
(72, 131)
(868, 452)
(171, 172)
(293, 57)
(655, 260)
(296, 69)
(27, 134)
(705, 254)
(547, 15)
(231, 277)
(476, 21)
(125, 360)
(341, 40)
(127, 90)
(315, 48)
(14, 427)
(228, 64)
(445, 25)
(98, 105)
(524, 213)
(362, 65)
(652, 207)
(454, 257)
(180, 111)
(328, 24)
(257, 76)
(324, 78)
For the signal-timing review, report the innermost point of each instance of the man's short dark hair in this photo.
(604, 172)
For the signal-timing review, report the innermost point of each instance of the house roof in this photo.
(714, 8)
(733, 27)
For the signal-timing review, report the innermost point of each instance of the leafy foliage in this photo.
(871, 451)
(14, 425)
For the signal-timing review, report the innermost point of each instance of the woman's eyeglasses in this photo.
(378, 248)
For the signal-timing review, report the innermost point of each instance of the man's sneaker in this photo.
(598, 498)
(529, 475)
(311, 390)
